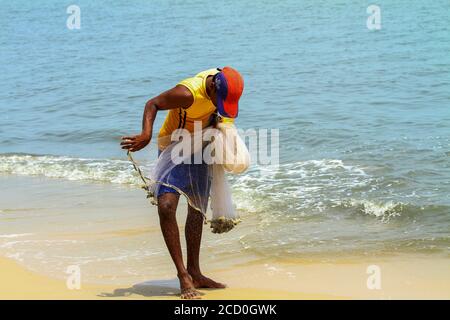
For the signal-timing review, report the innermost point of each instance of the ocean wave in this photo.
(389, 210)
(310, 174)
(299, 186)
(101, 170)
(291, 187)
(385, 211)
(291, 190)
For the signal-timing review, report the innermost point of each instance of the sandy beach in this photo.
(19, 283)
(53, 223)
(405, 279)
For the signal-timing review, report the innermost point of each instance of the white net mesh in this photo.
(196, 170)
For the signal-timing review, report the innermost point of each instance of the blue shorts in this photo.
(192, 179)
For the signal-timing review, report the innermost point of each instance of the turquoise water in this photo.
(364, 116)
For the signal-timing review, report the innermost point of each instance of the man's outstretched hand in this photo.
(135, 143)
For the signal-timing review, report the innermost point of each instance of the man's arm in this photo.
(177, 97)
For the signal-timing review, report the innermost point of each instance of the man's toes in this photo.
(193, 295)
(185, 295)
(190, 294)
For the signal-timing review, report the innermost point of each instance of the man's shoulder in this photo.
(193, 84)
(196, 84)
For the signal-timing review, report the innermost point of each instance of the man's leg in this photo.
(193, 233)
(167, 207)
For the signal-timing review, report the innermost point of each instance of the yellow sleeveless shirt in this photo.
(201, 109)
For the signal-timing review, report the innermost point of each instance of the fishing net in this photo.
(197, 170)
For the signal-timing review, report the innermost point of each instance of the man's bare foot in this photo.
(200, 281)
(187, 287)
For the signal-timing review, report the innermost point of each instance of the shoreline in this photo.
(113, 234)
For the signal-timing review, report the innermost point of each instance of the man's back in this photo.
(201, 109)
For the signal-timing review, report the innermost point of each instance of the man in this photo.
(200, 98)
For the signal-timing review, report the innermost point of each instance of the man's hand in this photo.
(135, 143)
(177, 97)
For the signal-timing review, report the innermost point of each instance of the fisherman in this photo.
(211, 95)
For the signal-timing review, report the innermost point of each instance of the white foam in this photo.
(385, 211)
(297, 186)
(102, 170)
(15, 235)
(48, 243)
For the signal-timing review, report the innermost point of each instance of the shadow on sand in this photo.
(152, 288)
